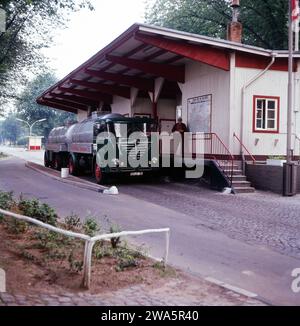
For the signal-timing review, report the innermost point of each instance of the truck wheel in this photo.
(72, 166)
(57, 162)
(47, 163)
(101, 178)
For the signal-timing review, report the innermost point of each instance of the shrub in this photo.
(72, 222)
(127, 257)
(75, 266)
(16, 227)
(91, 227)
(101, 251)
(126, 262)
(6, 200)
(42, 212)
(115, 241)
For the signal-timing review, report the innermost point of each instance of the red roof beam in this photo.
(88, 95)
(107, 89)
(205, 54)
(128, 54)
(74, 99)
(66, 103)
(172, 73)
(57, 106)
(139, 83)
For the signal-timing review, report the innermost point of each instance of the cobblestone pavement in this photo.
(174, 293)
(262, 218)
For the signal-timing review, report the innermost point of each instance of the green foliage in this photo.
(30, 111)
(115, 241)
(127, 258)
(126, 262)
(72, 222)
(46, 239)
(30, 25)
(6, 200)
(101, 251)
(43, 212)
(15, 226)
(91, 226)
(75, 266)
(264, 22)
(10, 129)
(23, 141)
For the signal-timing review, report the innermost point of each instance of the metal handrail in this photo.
(220, 153)
(245, 148)
(297, 139)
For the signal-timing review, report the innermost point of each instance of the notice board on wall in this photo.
(199, 113)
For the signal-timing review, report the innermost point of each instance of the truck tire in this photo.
(47, 162)
(101, 178)
(73, 166)
(57, 162)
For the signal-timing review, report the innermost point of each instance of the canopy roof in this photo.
(138, 57)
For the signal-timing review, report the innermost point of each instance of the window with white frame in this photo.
(266, 114)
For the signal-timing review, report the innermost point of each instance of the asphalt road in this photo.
(211, 234)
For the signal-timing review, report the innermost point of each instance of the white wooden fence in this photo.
(91, 241)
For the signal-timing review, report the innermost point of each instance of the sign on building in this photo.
(2, 21)
(199, 114)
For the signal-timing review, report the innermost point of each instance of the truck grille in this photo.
(133, 150)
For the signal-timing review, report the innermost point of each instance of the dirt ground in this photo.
(28, 272)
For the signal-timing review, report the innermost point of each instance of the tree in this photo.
(30, 26)
(30, 111)
(9, 129)
(264, 22)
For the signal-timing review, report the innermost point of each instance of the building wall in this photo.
(202, 80)
(121, 105)
(167, 109)
(142, 106)
(81, 115)
(273, 83)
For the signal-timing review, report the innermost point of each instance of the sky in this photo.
(88, 32)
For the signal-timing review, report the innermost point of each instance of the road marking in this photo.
(248, 273)
(232, 288)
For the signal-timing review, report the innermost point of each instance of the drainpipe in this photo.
(244, 90)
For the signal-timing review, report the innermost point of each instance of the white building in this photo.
(218, 87)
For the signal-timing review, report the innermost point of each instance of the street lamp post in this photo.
(31, 125)
(34, 142)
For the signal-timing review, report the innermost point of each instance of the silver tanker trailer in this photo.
(77, 146)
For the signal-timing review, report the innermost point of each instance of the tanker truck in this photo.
(77, 147)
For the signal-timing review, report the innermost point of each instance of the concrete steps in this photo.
(244, 190)
(239, 182)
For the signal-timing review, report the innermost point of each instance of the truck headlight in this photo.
(154, 160)
(115, 161)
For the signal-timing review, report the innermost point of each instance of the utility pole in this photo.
(290, 169)
(290, 86)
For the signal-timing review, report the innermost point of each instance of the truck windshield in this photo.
(123, 130)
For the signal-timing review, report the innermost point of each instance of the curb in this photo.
(80, 183)
(238, 290)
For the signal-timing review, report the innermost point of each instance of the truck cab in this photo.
(108, 145)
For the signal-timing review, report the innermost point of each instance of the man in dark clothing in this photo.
(180, 127)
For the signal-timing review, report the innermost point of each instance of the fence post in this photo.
(167, 248)
(87, 264)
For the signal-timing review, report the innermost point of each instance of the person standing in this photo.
(182, 129)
